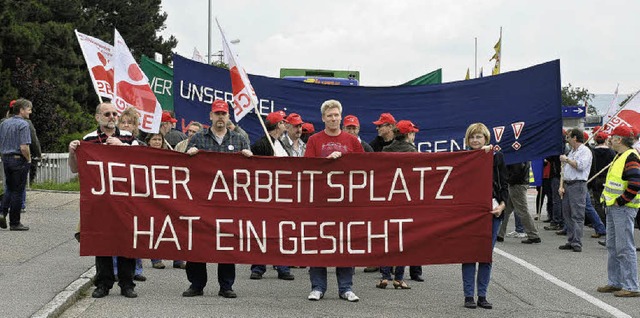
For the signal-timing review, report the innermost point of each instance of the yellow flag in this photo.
(496, 56)
(467, 77)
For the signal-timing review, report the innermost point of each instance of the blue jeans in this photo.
(318, 277)
(519, 226)
(16, 171)
(263, 268)
(386, 272)
(6, 199)
(484, 269)
(591, 215)
(622, 262)
(138, 268)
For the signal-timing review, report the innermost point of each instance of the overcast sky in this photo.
(391, 42)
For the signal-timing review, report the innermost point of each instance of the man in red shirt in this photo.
(331, 143)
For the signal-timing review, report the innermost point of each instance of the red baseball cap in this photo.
(635, 130)
(294, 119)
(219, 105)
(406, 126)
(284, 115)
(351, 121)
(308, 128)
(601, 136)
(623, 131)
(385, 118)
(166, 117)
(595, 128)
(274, 118)
(585, 135)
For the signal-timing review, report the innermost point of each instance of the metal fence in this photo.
(53, 167)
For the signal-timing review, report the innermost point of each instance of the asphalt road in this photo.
(538, 280)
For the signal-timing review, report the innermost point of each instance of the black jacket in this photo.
(500, 185)
(518, 173)
(263, 148)
(378, 143)
(400, 146)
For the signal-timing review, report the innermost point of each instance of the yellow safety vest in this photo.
(614, 186)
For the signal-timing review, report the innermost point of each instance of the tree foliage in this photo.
(576, 96)
(40, 58)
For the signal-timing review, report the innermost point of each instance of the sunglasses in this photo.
(110, 114)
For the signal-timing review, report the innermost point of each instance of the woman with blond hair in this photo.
(476, 138)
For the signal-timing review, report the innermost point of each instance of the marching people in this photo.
(385, 126)
(108, 133)
(518, 180)
(351, 124)
(192, 129)
(291, 141)
(15, 138)
(331, 143)
(577, 165)
(478, 137)
(307, 131)
(218, 139)
(405, 136)
(622, 202)
(275, 125)
(169, 131)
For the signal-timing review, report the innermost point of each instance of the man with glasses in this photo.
(291, 141)
(385, 126)
(192, 129)
(109, 134)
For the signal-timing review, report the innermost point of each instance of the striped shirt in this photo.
(99, 137)
(14, 132)
(631, 174)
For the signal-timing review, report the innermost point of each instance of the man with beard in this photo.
(109, 134)
(385, 126)
(292, 142)
(219, 139)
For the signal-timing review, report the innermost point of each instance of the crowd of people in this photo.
(573, 185)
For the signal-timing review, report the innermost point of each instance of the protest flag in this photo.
(197, 56)
(131, 87)
(497, 55)
(611, 111)
(628, 115)
(98, 55)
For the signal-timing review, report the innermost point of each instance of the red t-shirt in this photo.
(322, 145)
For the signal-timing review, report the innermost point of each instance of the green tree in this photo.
(576, 96)
(40, 58)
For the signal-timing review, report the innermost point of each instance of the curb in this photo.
(67, 297)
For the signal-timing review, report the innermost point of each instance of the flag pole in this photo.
(614, 115)
(264, 127)
(475, 65)
(209, 35)
(501, 45)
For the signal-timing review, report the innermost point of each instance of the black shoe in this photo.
(565, 247)
(553, 227)
(371, 269)
(128, 292)
(500, 239)
(577, 249)
(531, 241)
(604, 243)
(227, 293)
(286, 276)
(469, 303)
(3, 222)
(19, 227)
(182, 265)
(100, 292)
(547, 221)
(77, 236)
(192, 292)
(483, 303)
(417, 278)
(139, 278)
(255, 275)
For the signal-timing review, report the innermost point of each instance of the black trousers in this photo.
(104, 272)
(197, 275)
(415, 271)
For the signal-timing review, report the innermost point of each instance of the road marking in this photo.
(595, 301)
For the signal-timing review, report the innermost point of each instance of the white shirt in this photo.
(583, 158)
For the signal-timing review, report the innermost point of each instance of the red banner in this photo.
(366, 209)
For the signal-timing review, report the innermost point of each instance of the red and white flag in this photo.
(612, 110)
(628, 115)
(132, 88)
(197, 56)
(244, 97)
(98, 56)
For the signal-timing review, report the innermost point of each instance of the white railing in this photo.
(52, 167)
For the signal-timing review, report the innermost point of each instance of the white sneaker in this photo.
(350, 296)
(316, 295)
(516, 234)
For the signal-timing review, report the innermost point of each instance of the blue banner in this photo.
(521, 108)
